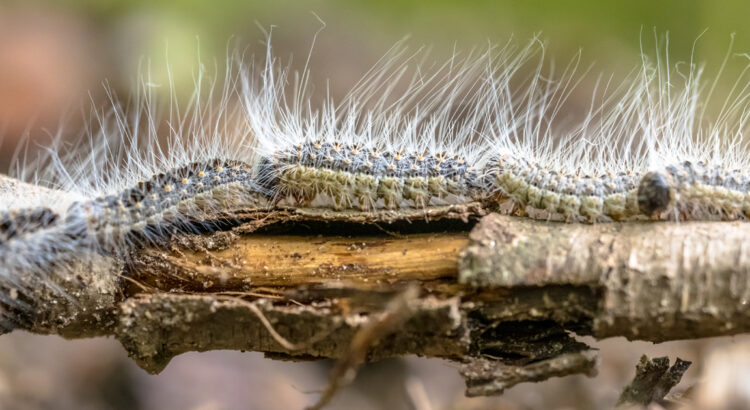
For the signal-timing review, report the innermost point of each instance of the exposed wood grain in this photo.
(291, 261)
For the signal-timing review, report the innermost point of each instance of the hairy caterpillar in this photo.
(168, 197)
(589, 196)
(483, 128)
(696, 191)
(350, 173)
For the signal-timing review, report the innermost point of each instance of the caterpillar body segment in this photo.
(575, 196)
(367, 178)
(695, 190)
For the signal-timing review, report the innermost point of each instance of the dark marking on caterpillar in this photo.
(22, 221)
(654, 193)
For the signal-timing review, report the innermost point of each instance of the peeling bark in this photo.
(503, 298)
(489, 377)
(653, 379)
(657, 281)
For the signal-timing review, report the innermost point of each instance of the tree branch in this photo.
(502, 296)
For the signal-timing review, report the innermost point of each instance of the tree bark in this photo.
(504, 296)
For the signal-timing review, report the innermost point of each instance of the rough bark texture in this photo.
(502, 296)
(653, 379)
(90, 281)
(656, 281)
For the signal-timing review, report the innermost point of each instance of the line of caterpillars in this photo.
(355, 176)
(369, 179)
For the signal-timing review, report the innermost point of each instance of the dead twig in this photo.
(382, 324)
(653, 379)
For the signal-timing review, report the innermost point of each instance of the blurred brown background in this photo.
(55, 56)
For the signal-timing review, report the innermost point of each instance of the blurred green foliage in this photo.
(591, 24)
(610, 33)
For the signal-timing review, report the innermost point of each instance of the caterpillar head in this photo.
(655, 193)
